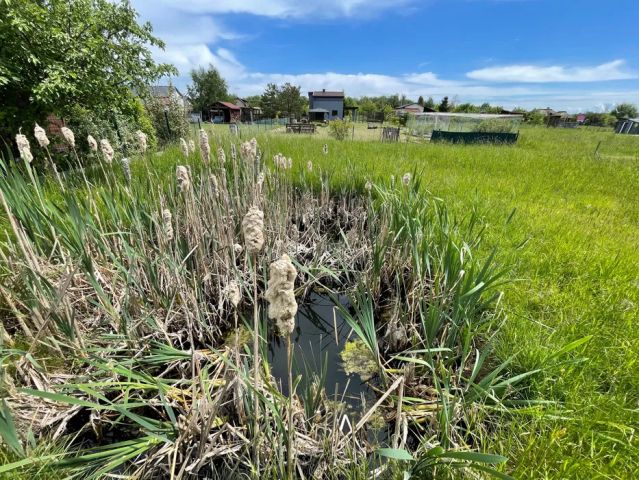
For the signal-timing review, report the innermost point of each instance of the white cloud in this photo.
(614, 70)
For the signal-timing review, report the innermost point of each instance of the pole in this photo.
(166, 118)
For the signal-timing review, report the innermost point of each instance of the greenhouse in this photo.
(465, 127)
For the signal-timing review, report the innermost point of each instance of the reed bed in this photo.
(129, 299)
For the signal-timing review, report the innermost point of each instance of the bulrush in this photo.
(253, 228)
(68, 135)
(107, 150)
(24, 148)
(191, 145)
(280, 295)
(142, 140)
(232, 293)
(406, 179)
(248, 150)
(309, 166)
(282, 162)
(237, 248)
(183, 178)
(221, 156)
(93, 144)
(126, 170)
(205, 147)
(369, 185)
(184, 146)
(41, 136)
(167, 223)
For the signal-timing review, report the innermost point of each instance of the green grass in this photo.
(567, 225)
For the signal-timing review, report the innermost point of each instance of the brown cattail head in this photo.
(68, 135)
(205, 147)
(280, 294)
(253, 228)
(232, 293)
(24, 148)
(93, 144)
(41, 136)
(167, 224)
(248, 150)
(107, 150)
(142, 140)
(183, 178)
(221, 156)
(184, 146)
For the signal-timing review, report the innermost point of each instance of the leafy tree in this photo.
(420, 101)
(625, 110)
(430, 103)
(269, 101)
(597, 119)
(290, 101)
(444, 106)
(56, 55)
(535, 118)
(208, 87)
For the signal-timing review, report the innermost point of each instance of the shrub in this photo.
(176, 114)
(339, 129)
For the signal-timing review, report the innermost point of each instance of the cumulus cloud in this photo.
(614, 70)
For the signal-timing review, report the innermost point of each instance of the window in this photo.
(334, 113)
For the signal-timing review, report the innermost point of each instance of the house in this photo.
(222, 112)
(546, 112)
(324, 105)
(581, 118)
(628, 126)
(164, 93)
(248, 113)
(409, 108)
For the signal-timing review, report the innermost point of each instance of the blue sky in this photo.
(567, 54)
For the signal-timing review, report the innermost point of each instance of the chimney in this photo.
(323, 90)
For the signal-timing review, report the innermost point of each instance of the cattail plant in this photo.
(68, 136)
(183, 178)
(406, 179)
(248, 150)
(282, 308)
(233, 294)
(233, 153)
(167, 224)
(126, 170)
(93, 144)
(221, 156)
(205, 147)
(184, 146)
(41, 136)
(309, 166)
(253, 230)
(191, 145)
(107, 150)
(142, 140)
(368, 186)
(24, 148)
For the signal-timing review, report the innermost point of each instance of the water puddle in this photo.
(319, 338)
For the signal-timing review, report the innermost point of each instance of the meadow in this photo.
(561, 223)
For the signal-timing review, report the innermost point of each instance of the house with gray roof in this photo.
(325, 105)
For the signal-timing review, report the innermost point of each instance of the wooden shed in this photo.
(222, 112)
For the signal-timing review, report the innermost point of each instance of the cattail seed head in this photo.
(142, 140)
(185, 147)
(93, 145)
(167, 223)
(191, 145)
(24, 148)
(41, 136)
(253, 228)
(406, 179)
(183, 178)
(221, 156)
(232, 293)
(368, 186)
(280, 294)
(126, 170)
(205, 147)
(309, 166)
(68, 135)
(237, 249)
(107, 150)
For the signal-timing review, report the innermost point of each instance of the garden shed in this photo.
(628, 126)
(222, 112)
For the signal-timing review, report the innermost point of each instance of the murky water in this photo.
(320, 335)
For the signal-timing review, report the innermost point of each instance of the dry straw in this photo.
(205, 147)
(185, 147)
(93, 144)
(24, 148)
(281, 295)
(253, 228)
(41, 136)
(107, 150)
(68, 135)
(183, 178)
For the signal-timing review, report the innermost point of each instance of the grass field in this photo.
(564, 225)
(567, 226)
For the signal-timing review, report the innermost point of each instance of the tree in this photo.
(207, 88)
(625, 110)
(430, 103)
(444, 106)
(420, 101)
(269, 101)
(57, 55)
(290, 101)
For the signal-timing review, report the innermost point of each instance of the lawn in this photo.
(566, 225)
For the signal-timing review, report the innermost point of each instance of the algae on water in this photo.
(357, 358)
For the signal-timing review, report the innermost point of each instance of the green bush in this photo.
(176, 113)
(339, 129)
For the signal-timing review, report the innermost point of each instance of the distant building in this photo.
(409, 108)
(628, 126)
(324, 105)
(164, 93)
(546, 112)
(248, 113)
(222, 112)
(581, 118)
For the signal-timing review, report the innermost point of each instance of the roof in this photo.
(228, 105)
(409, 105)
(163, 90)
(325, 93)
(317, 110)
